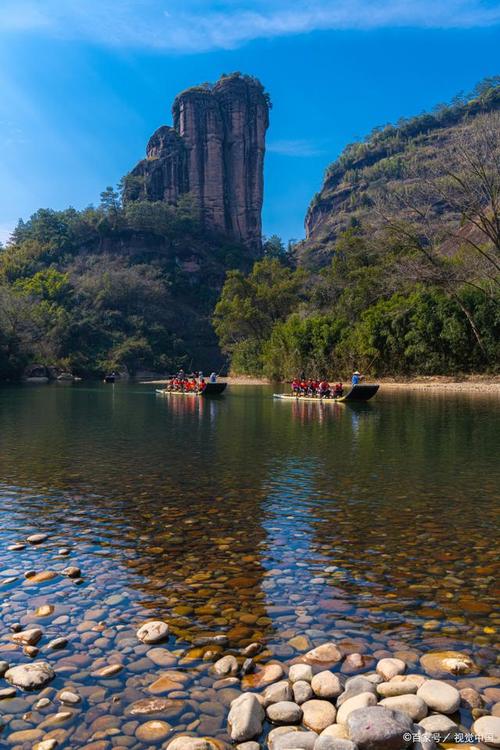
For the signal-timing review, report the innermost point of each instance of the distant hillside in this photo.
(346, 198)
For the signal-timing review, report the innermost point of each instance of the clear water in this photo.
(373, 525)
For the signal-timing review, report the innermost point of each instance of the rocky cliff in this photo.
(215, 151)
(346, 197)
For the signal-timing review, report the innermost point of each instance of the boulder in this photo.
(318, 714)
(389, 668)
(488, 727)
(302, 692)
(245, 718)
(326, 685)
(280, 691)
(442, 663)
(363, 700)
(302, 672)
(327, 653)
(439, 696)
(284, 712)
(153, 632)
(30, 676)
(378, 728)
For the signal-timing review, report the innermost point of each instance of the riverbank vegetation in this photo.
(112, 287)
(413, 290)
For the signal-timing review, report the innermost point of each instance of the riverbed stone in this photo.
(488, 727)
(69, 697)
(325, 742)
(37, 538)
(362, 700)
(439, 696)
(153, 731)
(185, 742)
(396, 687)
(413, 705)
(284, 712)
(227, 666)
(72, 571)
(326, 685)
(302, 692)
(302, 672)
(327, 653)
(438, 723)
(245, 718)
(28, 637)
(295, 741)
(279, 691)
(4, 665)
(378, 728)
(49, 744)
(442, 663)
(154, 631)
(269, 673)
(30, 676)
(390, 667)
(318, 714)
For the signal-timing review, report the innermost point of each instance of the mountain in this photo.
(215, 152)
(346, 199)
(133, 282)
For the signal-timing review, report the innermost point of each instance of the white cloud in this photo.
(297, 147)
(202, 25)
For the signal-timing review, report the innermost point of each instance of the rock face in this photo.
(215, 152)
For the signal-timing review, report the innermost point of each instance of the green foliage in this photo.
(117, 286)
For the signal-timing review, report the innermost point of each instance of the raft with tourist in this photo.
(320, 391)
(192, 385)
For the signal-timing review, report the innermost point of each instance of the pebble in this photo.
(28, 637)
(295, 741)
(378, 728)
(438, 723)
(72, 572)
(45, 744)
(30, 676)
(37, 538)
(7, 693)
(245, 718)
(413, 705)
(57, 643)
(442, 663)
(153, 731)
(326, 685)
(227, 666)
(489, 728)
(390, 667)
(302, 672)
(279, 691)
(284, 712)
(302, 691)
(327, 653)
(318, 714)
(396, 687)
(4, 665)
(324, 742)
(153, 632)
(67, 696)
(362, 700)
(439, 696)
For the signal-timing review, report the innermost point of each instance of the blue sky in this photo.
(84, 83)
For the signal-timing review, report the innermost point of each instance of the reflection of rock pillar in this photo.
(198, 121)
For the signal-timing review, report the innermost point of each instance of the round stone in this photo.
(326, 685)
(487, 729)
(439, 696)
(327, 653)
(438, 724)
(378, 728)
(245, 718)
(363, 700)
(280, 691)
(302, 691)
(396, 687)
(412, 705)
(153, 632)
(227, 666)
(37, 538)
(294, 741)
(72, 572)
(390, 667)
(284, 712)
(30, 676)
(441, 663)
(302, 672)
(318, 714)
(153, 731)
